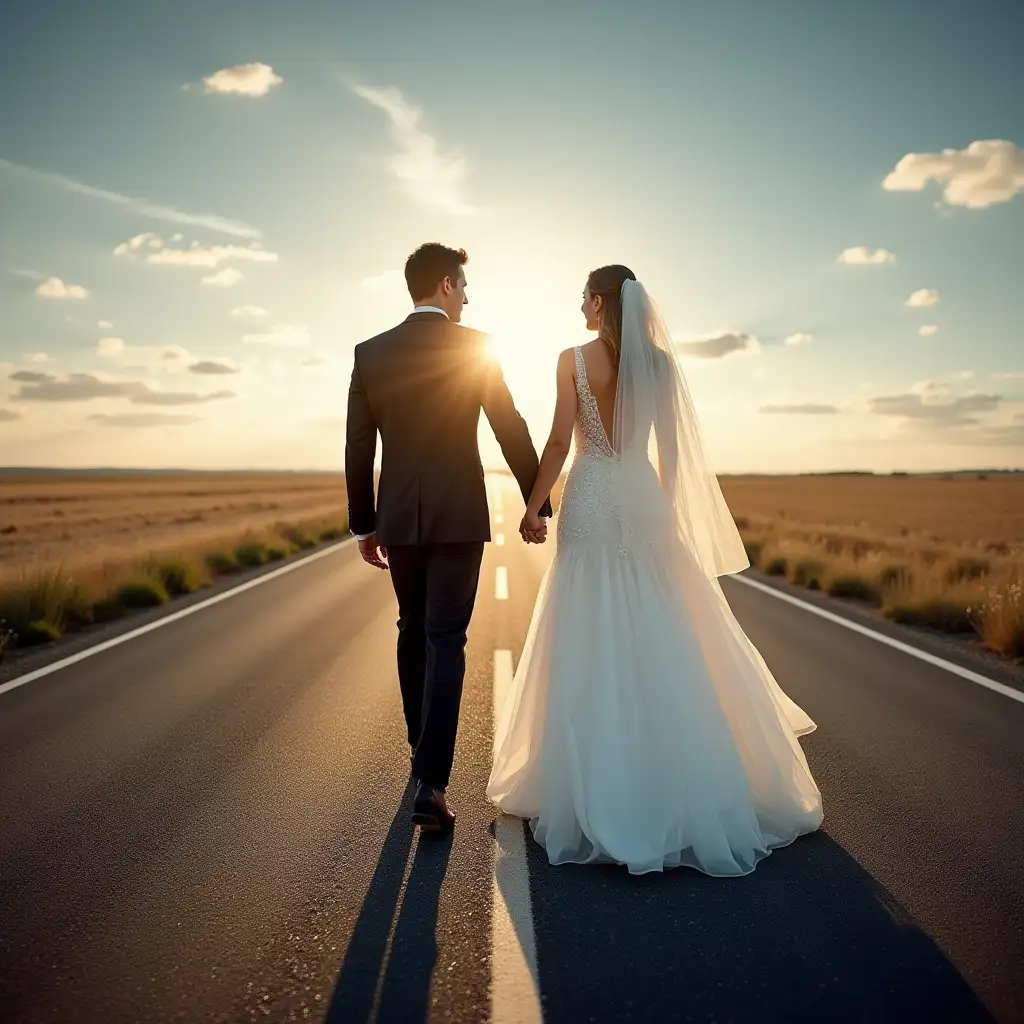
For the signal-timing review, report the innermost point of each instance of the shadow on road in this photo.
(389, 965)
(809, 936)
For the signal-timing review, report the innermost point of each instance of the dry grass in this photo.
(79, 550)
(945, 553)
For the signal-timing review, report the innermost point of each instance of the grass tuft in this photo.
(298, 538)
(179, 576)
(946, 615)
(39, 632)
(141, 593)
(856, 587)
(754, 549)
(251, 554)
(777, 566)
(895, 577)
(964, 569)
(1000, 620)
(38, 595)
(221, 563)
(808, 572)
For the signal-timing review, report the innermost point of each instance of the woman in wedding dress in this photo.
(643, 728)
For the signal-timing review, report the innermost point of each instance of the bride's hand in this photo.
(533, 529)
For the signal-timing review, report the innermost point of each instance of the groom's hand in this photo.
(368, 548)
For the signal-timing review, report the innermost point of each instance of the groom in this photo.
(421, 386)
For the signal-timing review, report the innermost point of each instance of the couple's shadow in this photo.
(387, 975)
(810, 936)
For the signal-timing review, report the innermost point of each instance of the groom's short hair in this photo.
(429, 265)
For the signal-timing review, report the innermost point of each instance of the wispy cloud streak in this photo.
(212, 221)
(428, 175)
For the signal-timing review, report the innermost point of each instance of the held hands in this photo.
(533, 529)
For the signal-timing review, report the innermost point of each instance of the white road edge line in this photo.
(515, 992)
(501, 583)
(899, 645)
(166, 620)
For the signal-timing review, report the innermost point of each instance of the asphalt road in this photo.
(210, 823)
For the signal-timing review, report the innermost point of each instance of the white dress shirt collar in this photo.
(430, 309)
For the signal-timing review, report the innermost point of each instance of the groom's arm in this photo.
(360, 452)
(511, 431)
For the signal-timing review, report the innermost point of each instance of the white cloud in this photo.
(861, 255)
(136, 242)
(108, 348)
(248, 311)
(932, 402)
(923, 297)
(104, 325)
(243, 80)
(985, 173)
(150, 397)
(55, 288)
(800, 338)
(716, 346)
(177, 236)
(144, 419)
(1008, 375)
(146, 209)
(226, 278)
(927, 330)
(283, 335)
(31, 377)
(213, 366)
(802, 409)
(965, 374)
(37, 357)
(84, 387)
(389, 280)
(174, 354)
(429, 176)
(210, 255)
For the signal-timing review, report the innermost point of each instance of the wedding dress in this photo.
(642, 727)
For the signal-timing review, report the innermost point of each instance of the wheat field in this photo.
(75, 548)
(945, 552)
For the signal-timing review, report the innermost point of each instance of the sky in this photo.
(206, 206)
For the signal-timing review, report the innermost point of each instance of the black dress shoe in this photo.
(430, 810)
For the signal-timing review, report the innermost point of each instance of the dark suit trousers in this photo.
(436, 589)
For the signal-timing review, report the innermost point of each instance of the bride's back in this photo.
(603, 379)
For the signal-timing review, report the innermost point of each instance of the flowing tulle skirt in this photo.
(643, 728)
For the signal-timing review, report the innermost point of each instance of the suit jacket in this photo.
(421, 386)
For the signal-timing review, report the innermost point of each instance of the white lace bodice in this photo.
(591, 437)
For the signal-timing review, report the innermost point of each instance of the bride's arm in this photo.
(560, 439)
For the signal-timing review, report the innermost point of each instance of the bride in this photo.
(643, 728)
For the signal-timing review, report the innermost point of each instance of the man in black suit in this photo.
(421, 386)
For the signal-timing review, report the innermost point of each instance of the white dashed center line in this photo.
(501, 583)
(515, 993)
(499, 540)
(498, 518)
